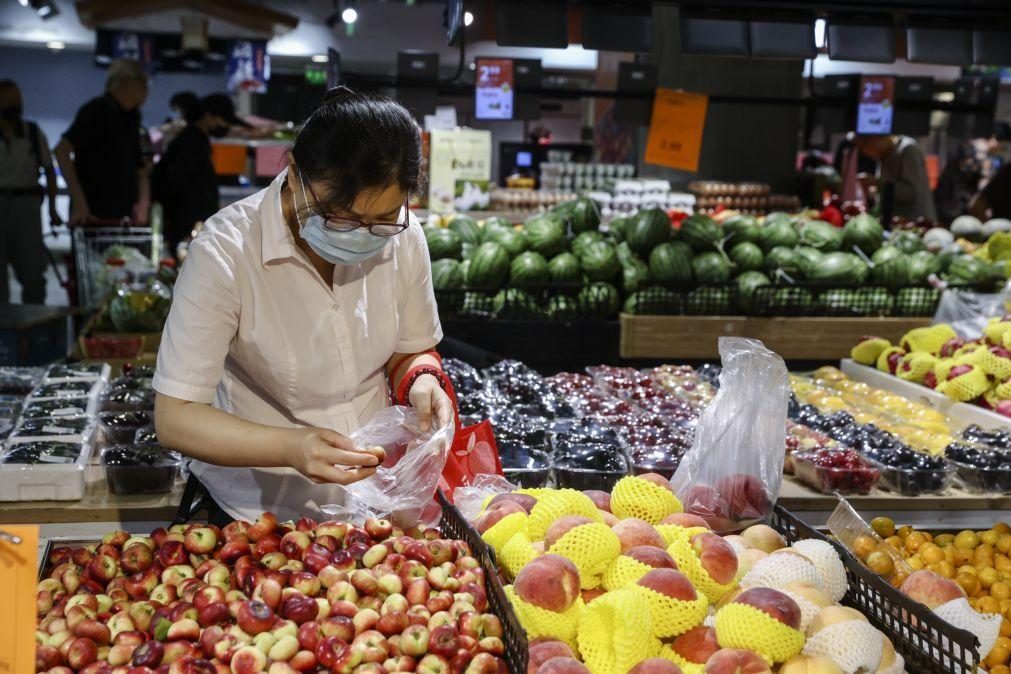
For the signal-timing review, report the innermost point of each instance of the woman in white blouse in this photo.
(295, 308)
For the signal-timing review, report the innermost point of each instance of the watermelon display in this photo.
(478, 305)
(839, 302)
(710, 268)
(700, 232)
(742, 228)
(821, 236)
(792, 301)
(907, 242)
(545, 234)
(634, 275)
(516, 304)
(841, 268)
(583, 240)
(785, 259)
(966, 270)
(466, 228)
(447, 275)
(600, 261)
(618, 226)
(747, 284)
(864, 232)
(529, 270)
(655, 301)
(584, 216)
(780, 234)
(489, 266)
(514, 241)
(892, 271)
(562, 308)
(874, 301)
(648, 229)
(565, 269)
(467, 250)
(921, 265)
(671, 263)
(709, 301)
(599, 300)
(777, 217)
(443, 243)
(916, 301)
(747, 257)
(809, 257)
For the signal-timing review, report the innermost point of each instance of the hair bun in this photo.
(338, 91)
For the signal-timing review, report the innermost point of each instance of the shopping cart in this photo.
(89, 243)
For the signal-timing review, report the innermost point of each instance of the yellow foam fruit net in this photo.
(994, 365)
(667, 653)
(915, 366)
(507, 527)
(516, 553)
(540, 623)
(997, 331)
(689, 564)
(672, 617)
(536, 492)
(616, 633)
(882, 363)
(635, 497)
(623, 571)
(669, 531)
(866, 351)
(743, 626)
(556, 504)
(942, 367)
(928, 339)
(1003, 391)
(965, 387)
(592, 548)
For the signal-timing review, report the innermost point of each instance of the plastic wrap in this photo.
(732, 474)
(404, 484)
(470, 499)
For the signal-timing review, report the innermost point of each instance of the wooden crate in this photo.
(695, 337)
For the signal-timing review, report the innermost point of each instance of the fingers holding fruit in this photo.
(430, 402)
(327, 457)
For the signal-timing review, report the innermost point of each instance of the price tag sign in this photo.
(18, 578)
(675, 132)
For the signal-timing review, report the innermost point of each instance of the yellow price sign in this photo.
(18, 579)
(675, 131)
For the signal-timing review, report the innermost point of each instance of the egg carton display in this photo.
(527, 200)
(582, 176)
(627, 197)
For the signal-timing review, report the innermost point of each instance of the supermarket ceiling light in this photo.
(819, 33)
(468, 18)
(320, 58)
(349, 15)
(56, 45)
(23, 3)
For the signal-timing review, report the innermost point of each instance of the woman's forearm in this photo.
(400, 363)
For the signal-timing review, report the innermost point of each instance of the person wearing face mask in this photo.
(298, 312)
(24, 153)
(101, 155)
(184, 181)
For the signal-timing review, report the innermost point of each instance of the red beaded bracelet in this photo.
(412, 376)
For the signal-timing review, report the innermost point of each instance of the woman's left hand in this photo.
(428, 399)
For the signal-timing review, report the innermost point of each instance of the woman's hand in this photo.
(327, 457)
(428, 399)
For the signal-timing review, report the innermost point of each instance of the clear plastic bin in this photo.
(58, 407)
(43, 470)
(140, 469)
(72, 429)
(119, 428)
(830, 480)
(977, 480)
(862, 541)
(914, 481)
(77, 371)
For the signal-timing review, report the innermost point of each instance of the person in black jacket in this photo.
(184, 181)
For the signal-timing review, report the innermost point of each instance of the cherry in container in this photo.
(835, 470)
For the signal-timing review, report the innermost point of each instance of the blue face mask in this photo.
(335, 247)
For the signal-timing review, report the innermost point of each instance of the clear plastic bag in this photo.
(471, 498)
(404, 484)
(732, 474)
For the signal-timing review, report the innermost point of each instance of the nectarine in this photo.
(550, 582)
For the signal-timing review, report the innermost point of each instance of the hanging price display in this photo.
(675, 131)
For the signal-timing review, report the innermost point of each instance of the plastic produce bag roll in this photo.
(732, 474)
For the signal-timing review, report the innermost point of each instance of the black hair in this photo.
(8, 84)
(357, 141)
(184, 100)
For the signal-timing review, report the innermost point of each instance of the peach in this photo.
(656, 666)
(736, 661)
(685, 520)
(590, 595)
(543, 650)
(563, 666)
(716, 556)
(810, 593)
(601, 499)
(772, 602)
(652, 557)
(887, 654)
(550, 581)
(748, 559)
(832, 615)
(491, 517)
(802, 664)
(608, 519)
(763, 537)
(670, 583)
(696, 645)
(525, 501)
(930, 589)
(658, 480)
(562, 526)
(633, 532)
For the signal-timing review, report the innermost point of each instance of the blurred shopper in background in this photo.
(967, 170)
(24, 153)
(101, 154)
(901, 183)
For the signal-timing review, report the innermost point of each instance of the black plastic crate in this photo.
(513, 635)
(805, 299)
(925, 641)
(711, 299)
(566, 302)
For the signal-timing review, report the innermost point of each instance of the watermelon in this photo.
(634, 275)
(966, 270)
(700, 232)
(907, 242)
(496, 222)
(655, 301)
(710, 268)
(583, 240)
(875, 301)
(809, 257)
(648, 229)
(562, 308)
(784, 258)
(625, 253)
(843, 268)
(598, 300)
(467, 250)
(478, 305)
(600, 261)
(884, 254)
(671, 263)
(618, 226)
(864, 232)
(565, 269)
(584, 216)
(742, 228)
(792, 301)
(466, 228)
(489, 266)
(514, 303)
(921, 265)
(447, 275)
(709, 302)
(747, 284)
(779, 234)
(545, 234)
(514, 241)
(777, 217)
(891, 272)
(443, 243)
(747, 256)
(464, 266)
(821, 236)
(529, 270)
(839, 302)
(916, 301)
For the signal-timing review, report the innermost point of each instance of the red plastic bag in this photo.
(474, 452)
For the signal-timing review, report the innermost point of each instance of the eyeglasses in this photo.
(346, 224)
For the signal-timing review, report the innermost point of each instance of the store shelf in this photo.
(961, 414)
(695, 337)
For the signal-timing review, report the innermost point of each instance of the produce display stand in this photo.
(961, 414)
(801, 338)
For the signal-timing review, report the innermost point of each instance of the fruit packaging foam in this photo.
(778, 570)
(829, 565)
(742, 626)
(592, 548)
(985, 626)
(853, 645)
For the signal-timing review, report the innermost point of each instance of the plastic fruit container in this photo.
(590, 466)
(524, 466)
(127, 400)
(140, 469)
(914, 481)
(69, 428)
(58, 407)
(43, 470)
(120, 427)
(855, 476)
(66, 389)
(865, 544)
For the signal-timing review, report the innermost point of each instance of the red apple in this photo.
(265, 526)
(148, 654)
(443, 640)
(201, 540)
(433, 664)
(298, 608)
(138, 557)
(254, 617)
(378, 529)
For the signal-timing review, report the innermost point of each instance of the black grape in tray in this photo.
(981, 469)
(76, 371)
(140, 469)
(63, 407)
(42, 452)
(120, 427)
(47, 426)
(68, 389)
